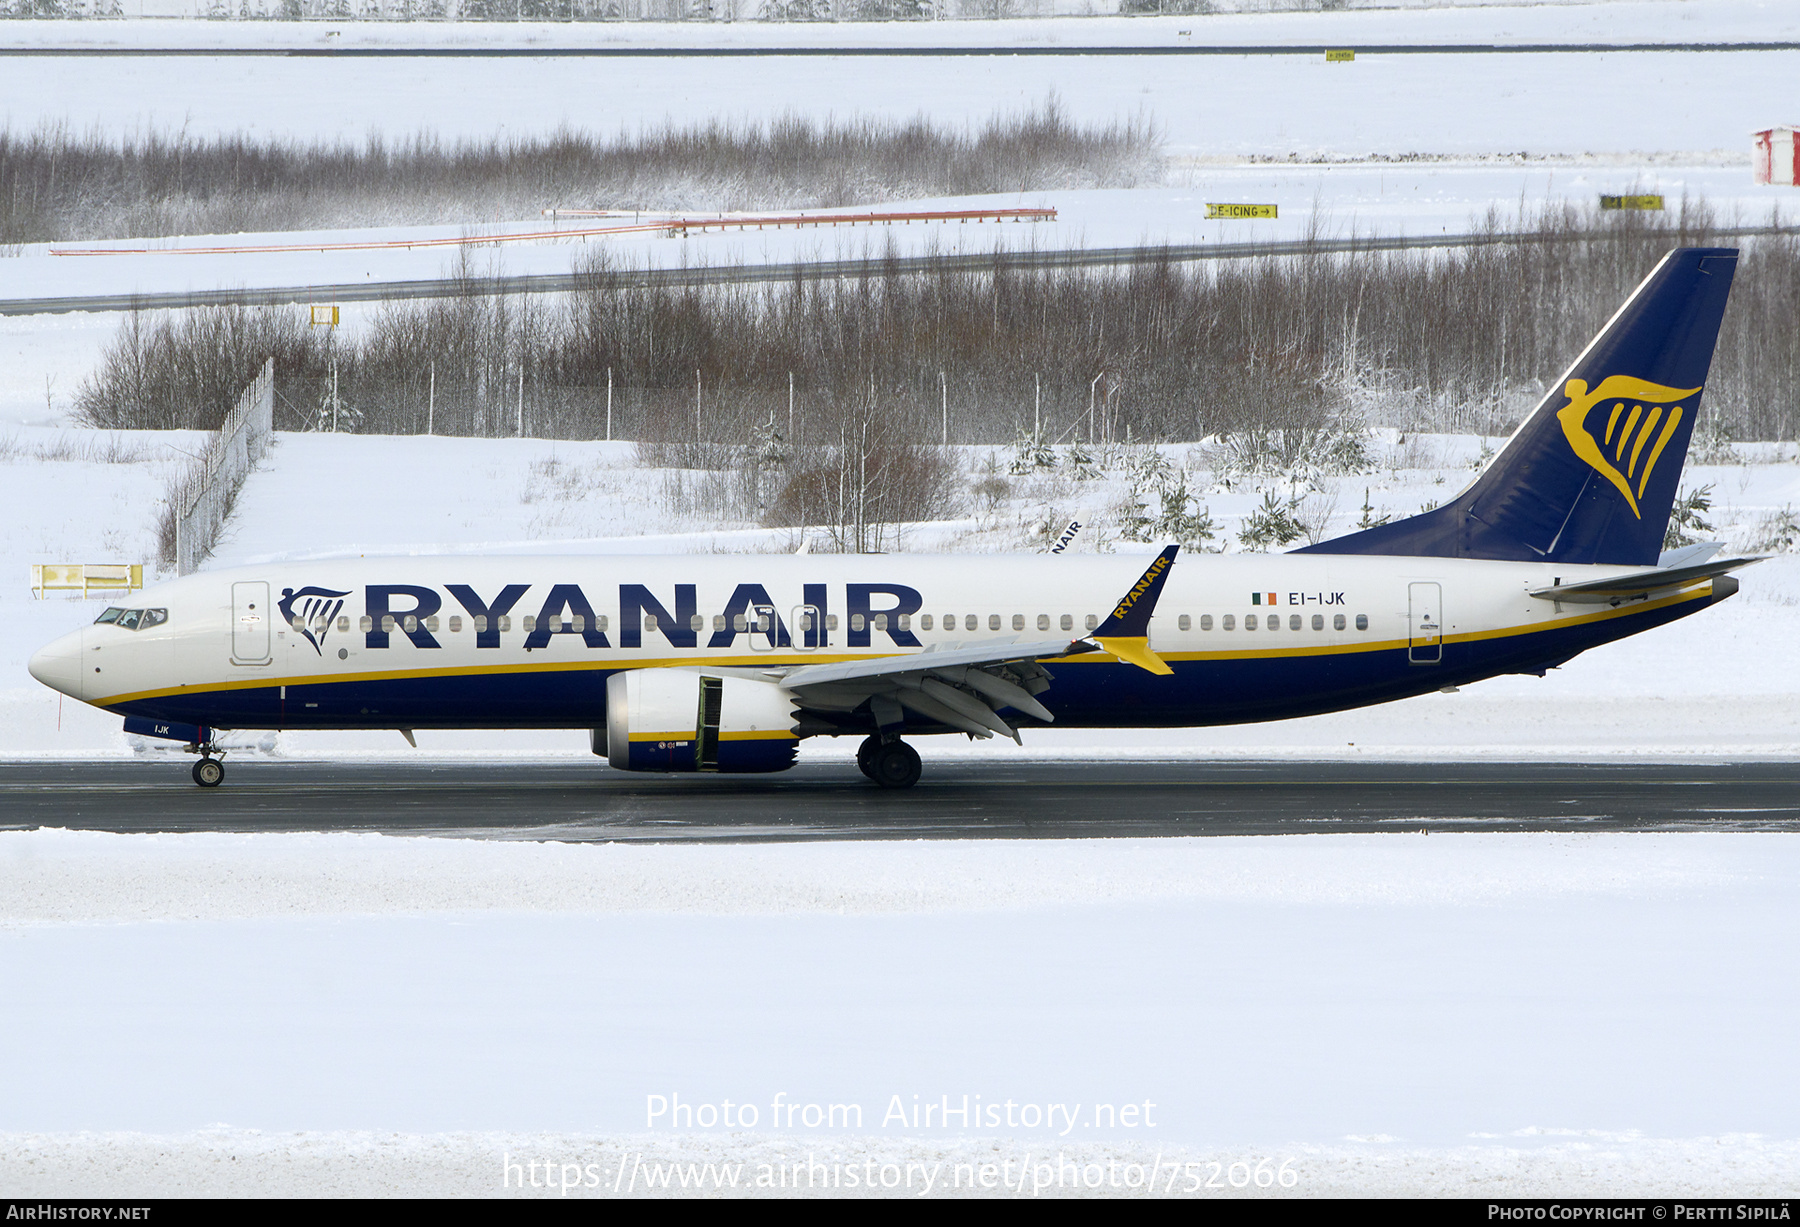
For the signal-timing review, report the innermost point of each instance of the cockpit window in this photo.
(133, 619)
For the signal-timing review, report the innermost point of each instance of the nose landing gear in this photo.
(891, 764)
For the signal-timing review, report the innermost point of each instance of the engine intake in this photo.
(680, 720)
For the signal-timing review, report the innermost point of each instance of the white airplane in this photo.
(707, 663)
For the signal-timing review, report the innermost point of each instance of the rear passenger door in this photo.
(1425, 619)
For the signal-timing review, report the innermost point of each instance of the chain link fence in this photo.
(203, 499)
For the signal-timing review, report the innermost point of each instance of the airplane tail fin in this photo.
(1591, 475)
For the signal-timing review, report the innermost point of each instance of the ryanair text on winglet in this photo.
(1138, 589)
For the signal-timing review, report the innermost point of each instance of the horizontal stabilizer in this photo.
(1638, 583)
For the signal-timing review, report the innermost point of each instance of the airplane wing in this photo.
(1617, 588)
(966, 688)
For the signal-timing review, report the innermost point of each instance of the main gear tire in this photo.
(865, 754)
(895, 765)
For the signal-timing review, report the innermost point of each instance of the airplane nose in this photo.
(58, 665)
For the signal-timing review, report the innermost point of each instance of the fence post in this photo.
(944, 392)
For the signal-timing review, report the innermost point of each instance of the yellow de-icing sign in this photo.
(1339, 55)
(1214, 211)
(1652, 203)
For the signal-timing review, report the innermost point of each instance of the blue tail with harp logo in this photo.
(1591, 475)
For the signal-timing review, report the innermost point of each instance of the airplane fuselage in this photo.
(528, 642)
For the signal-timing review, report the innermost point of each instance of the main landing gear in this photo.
(891, 764)
(209, 771)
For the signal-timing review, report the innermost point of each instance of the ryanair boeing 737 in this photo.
(707, 663)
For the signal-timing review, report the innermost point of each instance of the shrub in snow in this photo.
(1271, 525)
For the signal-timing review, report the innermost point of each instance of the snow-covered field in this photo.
(1472, 1015)
(1459, 1014)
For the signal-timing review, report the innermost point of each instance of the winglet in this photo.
(1126, 631)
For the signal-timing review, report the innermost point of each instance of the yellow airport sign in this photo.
(1652, 203)
(328, 316)
(1237, 211)
(1339, 55)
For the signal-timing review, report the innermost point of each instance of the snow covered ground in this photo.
(1460, 1014)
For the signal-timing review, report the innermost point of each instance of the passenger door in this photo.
(1425, 644)
(250, 623)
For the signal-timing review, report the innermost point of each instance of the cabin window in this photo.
(1205, 622)
(1229, 622)
(1018, 622)
(649, 622)
(993, 622)
(599, 623)
(411, 624)
(431, 623)
(531, 622)
(1184, 623)
(856, 622)
(1293, 622)
(830, 622)
(387, 623)
(580, 621)
(718, 622)
(455, 624)
(1249, 622)
(925, 622)
(971, 622)
(366, 624)
(1362, 622)
(905, 621)
(1043, 622)
(740, 623)
(806, 621)
(506, 622)
(480, 623)
(695, 623)
(344, 623)
(1093, 620)
(1318, 622)
(881, 622)
(1337, 622)
(1067, 622)
(297, 623)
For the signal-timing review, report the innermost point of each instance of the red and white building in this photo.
(1777, 157)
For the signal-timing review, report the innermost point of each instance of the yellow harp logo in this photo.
(1639, 409)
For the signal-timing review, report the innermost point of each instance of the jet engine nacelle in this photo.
(681, 720)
